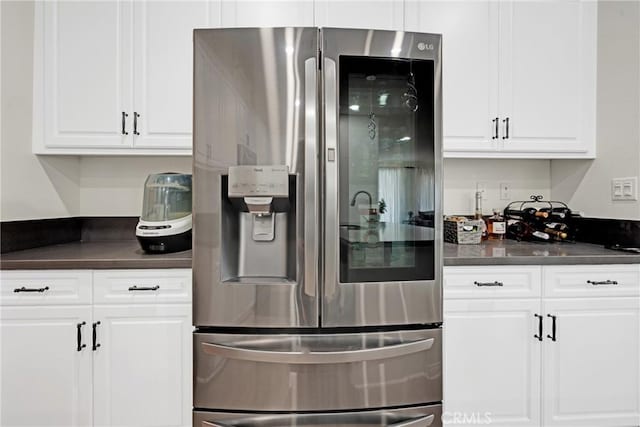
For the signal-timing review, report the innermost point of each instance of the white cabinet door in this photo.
(163, 71)
(267, 13)
(469, 68)
(491, 362)
(45, 380)
(86, 73)
(592, 370)
(548, 76)
(378, 15)
(142, 368)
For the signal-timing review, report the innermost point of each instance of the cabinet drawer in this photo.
(592, 280)
(45, 287)
(142, 286)
(493, 282)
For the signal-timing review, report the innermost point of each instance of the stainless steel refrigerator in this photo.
(317, 228)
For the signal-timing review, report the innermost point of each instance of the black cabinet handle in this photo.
(79, 335)
(23, 289)
(124, 122)
(488, 283)
(539, 336)
(506, 128)
(602, 282)
(495, 135)
(135, 123)
(144, 288)
(95, 345)
(553, 327)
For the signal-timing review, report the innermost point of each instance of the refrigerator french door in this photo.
(317, 227)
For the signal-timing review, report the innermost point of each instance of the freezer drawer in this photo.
(422, 416)
(317, 371)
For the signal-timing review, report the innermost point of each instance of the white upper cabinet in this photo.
(548, 74)
(379, 15)
(267, 13)
(116, 77)
(163, 70)
(469, 68)
(81, 86)
(519, 78)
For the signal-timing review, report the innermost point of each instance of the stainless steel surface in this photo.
(251, 108)
(311, 179)
(385, 351)
(330, 212)
(419, 416)
(397, 374)
(306, 419)
(376, 303)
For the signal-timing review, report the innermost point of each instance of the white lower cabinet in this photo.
(45, 378)
(584, 372)
(76, 362)
(591, 372)
(492, 363)
(142, 368)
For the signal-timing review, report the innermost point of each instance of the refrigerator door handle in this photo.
(317, 357)
(310, 178)
(414, 422)
(331, 178)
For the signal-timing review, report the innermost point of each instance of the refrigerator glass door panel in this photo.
(256, 106)
(317, 372)
(420, 416)
(382, 167)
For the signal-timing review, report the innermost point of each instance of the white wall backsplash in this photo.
(586, 184)
(113, 186)
(526, 177)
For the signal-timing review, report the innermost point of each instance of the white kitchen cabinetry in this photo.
(45, 362)
(135, 369)
(115, 77)
(45, 380)
(142, 369)
(586, 365)
(379, 15)
(519, 78)
(492, 362)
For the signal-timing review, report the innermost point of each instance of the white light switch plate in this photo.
(505, 191)
(624, 188)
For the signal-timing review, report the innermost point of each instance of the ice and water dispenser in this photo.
(258, 224)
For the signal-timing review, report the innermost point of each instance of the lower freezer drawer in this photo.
(317, 372)
(422, 416)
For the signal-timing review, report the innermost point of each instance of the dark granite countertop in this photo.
(127, 254)
(92, 255)
(511, 252)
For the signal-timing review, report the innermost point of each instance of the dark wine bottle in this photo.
(526, 213)
(560, 235)
(523, 231)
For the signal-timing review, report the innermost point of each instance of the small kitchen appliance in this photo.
(165, 223)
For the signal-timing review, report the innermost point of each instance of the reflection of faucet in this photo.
(353, 199)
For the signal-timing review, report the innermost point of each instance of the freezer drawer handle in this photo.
(496, 283)
(602, 282)
(23, 289)
(144, 288)
(415, 422)
(317, 357)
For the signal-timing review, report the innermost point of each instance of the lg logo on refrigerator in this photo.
(425, 46)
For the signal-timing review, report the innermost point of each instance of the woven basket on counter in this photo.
(463, 233)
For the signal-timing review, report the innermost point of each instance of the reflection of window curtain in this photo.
(397, 186)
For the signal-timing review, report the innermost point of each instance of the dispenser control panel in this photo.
(258, 181)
